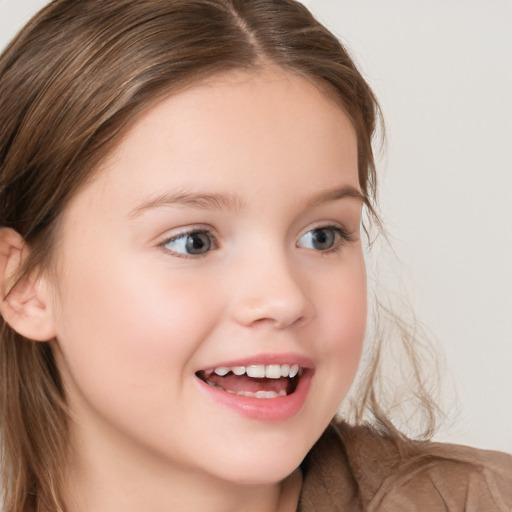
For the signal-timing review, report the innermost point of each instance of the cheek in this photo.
(130, 325)
(344, 327)
(345, 313)
(340, 331)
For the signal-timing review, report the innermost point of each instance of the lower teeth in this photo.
(257, 394)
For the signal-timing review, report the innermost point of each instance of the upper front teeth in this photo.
(259, 371)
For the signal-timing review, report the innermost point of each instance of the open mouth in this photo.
(257, 381)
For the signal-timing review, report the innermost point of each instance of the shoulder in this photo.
(357, 468)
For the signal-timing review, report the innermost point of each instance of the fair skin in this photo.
(222, 232)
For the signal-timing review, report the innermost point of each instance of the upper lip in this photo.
(265, 359)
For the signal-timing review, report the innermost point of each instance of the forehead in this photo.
(238, 132)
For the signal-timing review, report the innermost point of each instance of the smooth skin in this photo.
(197, 243)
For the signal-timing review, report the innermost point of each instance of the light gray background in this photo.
(443, 73)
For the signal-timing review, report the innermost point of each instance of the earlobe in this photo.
(25, 303)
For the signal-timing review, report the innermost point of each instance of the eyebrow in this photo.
(223, 200)
(202, 201)
(334, 194)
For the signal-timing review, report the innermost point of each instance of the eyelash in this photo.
(343, 238)
(194, 231)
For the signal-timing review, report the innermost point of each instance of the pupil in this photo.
(323, 238)
(198, 243)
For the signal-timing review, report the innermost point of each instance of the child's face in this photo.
(222, 232)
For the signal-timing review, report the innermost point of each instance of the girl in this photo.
(183, 287)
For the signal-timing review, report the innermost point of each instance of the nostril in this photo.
(262, 322)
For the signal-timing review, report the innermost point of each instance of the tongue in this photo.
(239, 383)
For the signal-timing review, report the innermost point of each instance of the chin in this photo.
(263, 474)
(265, 461)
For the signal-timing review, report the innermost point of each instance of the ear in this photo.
(25, 304)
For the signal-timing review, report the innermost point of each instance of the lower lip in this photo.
(263, 409)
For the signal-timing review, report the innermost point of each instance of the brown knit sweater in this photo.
(355, 469)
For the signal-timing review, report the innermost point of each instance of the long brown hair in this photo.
(71, 83)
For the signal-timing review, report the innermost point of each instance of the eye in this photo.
(323, 239)
(194, 243)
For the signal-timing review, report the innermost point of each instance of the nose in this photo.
(269, 291)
